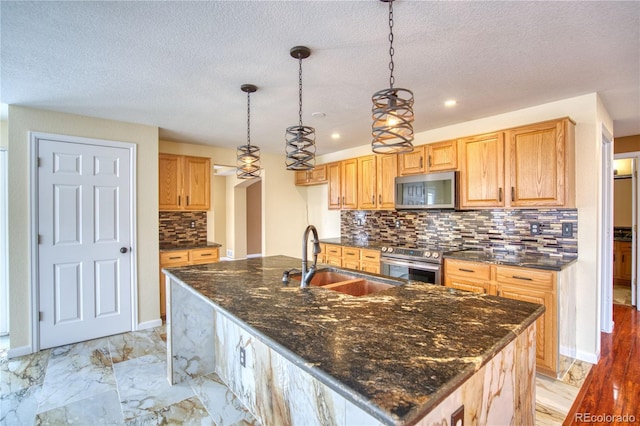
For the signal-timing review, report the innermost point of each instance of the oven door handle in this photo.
(417, 265)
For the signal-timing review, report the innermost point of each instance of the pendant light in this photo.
(301, 140)
(392, 111)
(248, 156)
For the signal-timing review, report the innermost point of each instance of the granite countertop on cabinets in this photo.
(188, 246)
(400, 351)
(352, 242)
(534, 261)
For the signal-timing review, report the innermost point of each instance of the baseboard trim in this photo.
(19, 351)
(589, 357)
(150, 324)
(253, 256)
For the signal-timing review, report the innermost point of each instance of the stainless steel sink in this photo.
(352, 283)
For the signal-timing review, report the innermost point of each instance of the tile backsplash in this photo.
(492, 230)
(176, 228)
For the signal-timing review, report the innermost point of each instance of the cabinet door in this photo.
(442, 156)
(349, 183)
(367, 183)
(318, 174)
(386, 172)
(467, 284)
(351, 264)
(170, 182)
(334, 176)
(625, 260)
(536, 156)
(301, 177)
(197, 183)
(546, 331)
(413, 162)
(482, 171)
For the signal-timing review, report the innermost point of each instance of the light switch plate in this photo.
(567, 230)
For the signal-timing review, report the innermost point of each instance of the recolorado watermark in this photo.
(604, 418)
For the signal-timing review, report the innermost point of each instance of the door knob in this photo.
(123, 250)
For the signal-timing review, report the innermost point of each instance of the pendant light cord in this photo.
(248, 118)
(391, 51)
(300, 88)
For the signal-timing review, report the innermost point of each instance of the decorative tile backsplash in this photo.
(492, 230)
(183, 228)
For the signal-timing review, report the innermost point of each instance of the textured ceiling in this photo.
(180, 65)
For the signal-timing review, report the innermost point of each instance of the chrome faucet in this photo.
(307, 274)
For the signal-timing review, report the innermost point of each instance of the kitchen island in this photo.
(413, 354)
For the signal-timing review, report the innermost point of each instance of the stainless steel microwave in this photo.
(427, 191)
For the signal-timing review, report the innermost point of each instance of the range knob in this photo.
(384, 249)
(427, 254)
(390, 250)
(436, 255)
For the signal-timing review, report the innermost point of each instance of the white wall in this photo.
(21, 121)
(589, 115)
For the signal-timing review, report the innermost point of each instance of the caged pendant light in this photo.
(392, 111)
(248, 156)
(301, 140)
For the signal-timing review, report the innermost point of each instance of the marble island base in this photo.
(280, 387)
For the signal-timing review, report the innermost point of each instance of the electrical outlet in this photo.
(193, 224)
(457, 417)
(567, 230)
(398, 223)
(243, 357)
(536, 228)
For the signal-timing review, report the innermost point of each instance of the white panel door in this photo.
(84, 256)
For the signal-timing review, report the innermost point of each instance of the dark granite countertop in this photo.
(396, 353)
(170, 247)
(352, 242)
(525, 260)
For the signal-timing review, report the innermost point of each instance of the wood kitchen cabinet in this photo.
(184, 183)
(175, 258)
(526, 284)
(482, 171)
(367, 260)
(622, 262)
(316, 176)
(376, 181)
(535, 286)
(469, 276)
(343, 184)
(433, 157)
(541, 164)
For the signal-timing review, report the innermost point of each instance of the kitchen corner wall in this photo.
(493, 230)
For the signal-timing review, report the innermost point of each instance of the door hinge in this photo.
(40, 316)
(39, 162)
(39, 239)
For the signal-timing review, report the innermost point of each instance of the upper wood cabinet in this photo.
(482, 171)
(412, 163)
(541, 164)
(376, 180)
(343, 184)
(312, 177)
(442, 156)
(434, 157)
(184, 182)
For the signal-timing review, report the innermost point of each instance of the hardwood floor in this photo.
(611, 392)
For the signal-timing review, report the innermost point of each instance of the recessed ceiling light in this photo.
(450, 103)
(335, 135)
(318, 114)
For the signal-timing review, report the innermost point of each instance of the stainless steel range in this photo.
(415, 263)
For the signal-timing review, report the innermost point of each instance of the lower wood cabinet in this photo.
(526, 284)
(622, 262)
(175, 258)
(367, 260)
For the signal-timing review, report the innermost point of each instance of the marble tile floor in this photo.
(622, 294)
(120, 380)
(117, 380)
